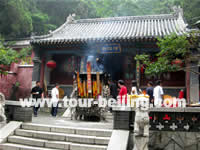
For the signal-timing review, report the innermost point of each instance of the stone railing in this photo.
(161, 119)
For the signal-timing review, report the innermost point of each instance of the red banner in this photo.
(89, 82)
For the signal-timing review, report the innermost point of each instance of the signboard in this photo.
(110, 48)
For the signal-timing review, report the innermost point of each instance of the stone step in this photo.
(53, 144)
(12, 146)
(68, 130)
(84, 139)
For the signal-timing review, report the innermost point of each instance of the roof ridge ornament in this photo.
(71, 18)
(178, 11)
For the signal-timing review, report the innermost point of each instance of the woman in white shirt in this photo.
(158, 94)
(134, 88)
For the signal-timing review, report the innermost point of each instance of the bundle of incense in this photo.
(98, 83)
(78, 84)
(84, 89)
(81, 89)
(94, 89)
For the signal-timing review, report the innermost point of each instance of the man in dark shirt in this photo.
(149, 91)
(37, 93)
(113, 89)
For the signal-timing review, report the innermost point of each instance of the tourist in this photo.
(123, 92)
(134, 88)
(106, 90)
(158, 94)
(113, 89)
(37, 93)
(55, 99)
(181, 94)
(149, 91)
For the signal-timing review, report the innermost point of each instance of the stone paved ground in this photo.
(45, 118)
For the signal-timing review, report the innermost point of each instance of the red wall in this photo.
(21, 74)
(24, 77)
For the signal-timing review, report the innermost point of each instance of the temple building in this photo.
(110, 44)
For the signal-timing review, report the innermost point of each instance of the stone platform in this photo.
(46, 118)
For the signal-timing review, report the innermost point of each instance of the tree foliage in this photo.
(9, 56)
(172, 48)
(19, 18)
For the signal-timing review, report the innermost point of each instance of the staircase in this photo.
(45, 137)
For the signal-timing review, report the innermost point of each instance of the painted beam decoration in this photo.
(110, 48)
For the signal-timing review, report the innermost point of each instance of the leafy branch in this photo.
(9, 56)
(172, 48)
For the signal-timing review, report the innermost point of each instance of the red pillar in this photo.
(187, 82)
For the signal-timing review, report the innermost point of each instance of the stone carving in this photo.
(70, 18)
(177, 11)
(2, 110)
(141, 128)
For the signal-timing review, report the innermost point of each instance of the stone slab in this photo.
(119, 140)
(80, 139)
(102, 140)
(68, 130)
(63, 130)
(41, 134)
(192, 109)
(57, 144)
(13, 103)
(11, 146)
(75, 146)
(94, 132)
(36, 127)
(8, 130)
(26, 141)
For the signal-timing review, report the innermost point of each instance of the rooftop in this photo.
(115, 28)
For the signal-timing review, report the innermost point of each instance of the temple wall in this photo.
(24, 77)
(21, 73)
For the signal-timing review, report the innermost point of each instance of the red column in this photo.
(187, 82)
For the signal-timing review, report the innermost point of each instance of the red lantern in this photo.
(51, 64)
(177, 62)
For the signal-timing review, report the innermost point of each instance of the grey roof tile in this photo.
(115, 28)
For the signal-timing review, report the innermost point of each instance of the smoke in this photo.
(96, 63)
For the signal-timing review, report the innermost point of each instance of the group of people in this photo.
(155, 93)
(38, 93)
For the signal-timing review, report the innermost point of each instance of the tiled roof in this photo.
(116, 28)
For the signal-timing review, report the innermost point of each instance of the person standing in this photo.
(55, 99)
(149, 91)
(158, 94)
(113, 89)
(123, 92)
(134, 88)
(37, 94)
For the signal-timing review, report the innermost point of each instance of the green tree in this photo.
(15, 19)
(172, 47)
(9, 56)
